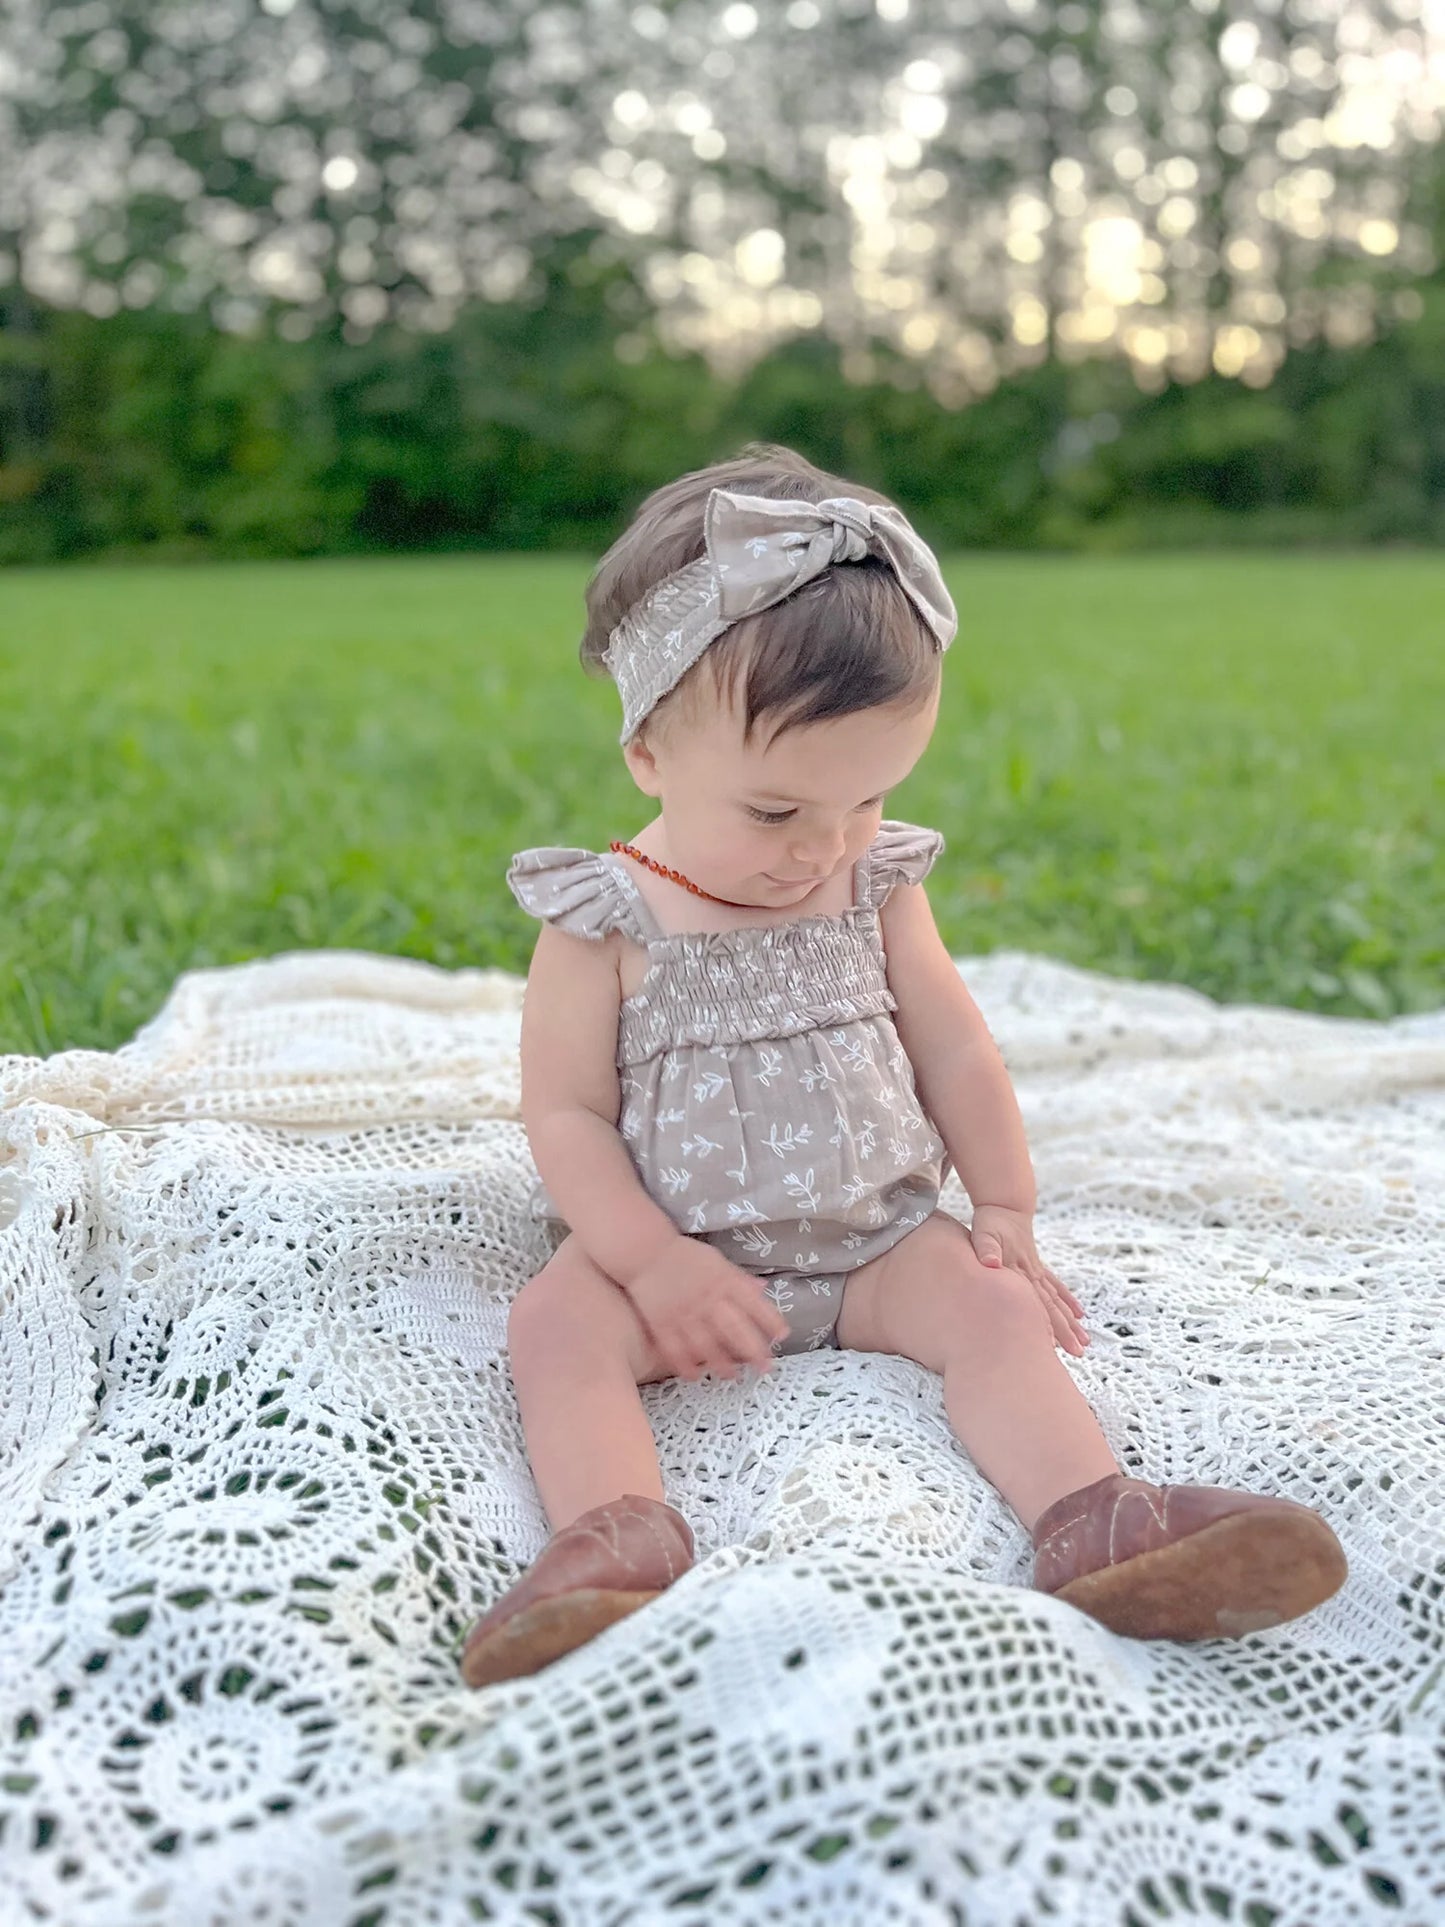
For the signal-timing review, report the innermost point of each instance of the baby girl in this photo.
(749, 1063)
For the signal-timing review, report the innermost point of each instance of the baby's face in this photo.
(767, 822)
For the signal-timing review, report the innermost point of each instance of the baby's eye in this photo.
(781, 816)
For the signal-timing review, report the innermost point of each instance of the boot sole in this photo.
(540, 1633)
(1240, 1575)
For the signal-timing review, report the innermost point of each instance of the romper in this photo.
(766, 1099)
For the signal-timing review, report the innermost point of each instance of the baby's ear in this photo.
(640, 759)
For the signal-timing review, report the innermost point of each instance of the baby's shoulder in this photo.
(578, 891)
(900, 853)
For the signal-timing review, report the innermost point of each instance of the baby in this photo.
(748, 1064)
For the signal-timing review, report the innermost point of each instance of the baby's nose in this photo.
(820, 850)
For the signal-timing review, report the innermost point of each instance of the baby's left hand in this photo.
(1005, 1237)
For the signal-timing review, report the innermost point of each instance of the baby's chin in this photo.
(762, 891)
(774, 889)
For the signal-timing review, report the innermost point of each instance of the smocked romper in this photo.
(766, 1099)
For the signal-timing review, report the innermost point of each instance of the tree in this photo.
(978, 183)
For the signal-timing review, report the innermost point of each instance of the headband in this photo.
(759, 549)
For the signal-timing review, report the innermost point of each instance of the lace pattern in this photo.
(261, 1466)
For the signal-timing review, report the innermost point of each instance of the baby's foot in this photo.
(603, 1566)
(1184, 1561)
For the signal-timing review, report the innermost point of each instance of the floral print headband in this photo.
(759, 549)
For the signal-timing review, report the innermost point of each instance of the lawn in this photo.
(1221, 770)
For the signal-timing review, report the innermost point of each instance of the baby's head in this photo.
(769, 738)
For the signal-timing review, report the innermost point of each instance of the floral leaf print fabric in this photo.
(767, 1101)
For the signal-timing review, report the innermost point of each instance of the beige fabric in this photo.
(261, 1466)
(767, 1101)
(759, 550)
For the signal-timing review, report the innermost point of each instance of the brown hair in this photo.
(849, 639)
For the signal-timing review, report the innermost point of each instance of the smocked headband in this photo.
(759, 549)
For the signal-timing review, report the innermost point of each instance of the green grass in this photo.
(1219, 770)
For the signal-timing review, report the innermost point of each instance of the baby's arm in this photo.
(571, 1100)
(960, 1075)
(964, 1085)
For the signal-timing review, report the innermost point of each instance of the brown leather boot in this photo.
(603, 1566)
(1184, 1561)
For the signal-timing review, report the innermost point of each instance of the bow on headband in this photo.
(759, 550)
(763, 548)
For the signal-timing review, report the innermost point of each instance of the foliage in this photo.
(401, 158)
(524, 427)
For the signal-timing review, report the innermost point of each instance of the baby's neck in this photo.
(676, 909)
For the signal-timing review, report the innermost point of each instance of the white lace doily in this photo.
(262, 1466)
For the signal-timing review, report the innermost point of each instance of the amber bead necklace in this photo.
(674, 876)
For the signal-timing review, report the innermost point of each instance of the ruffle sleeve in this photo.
(574, 889)
(900, 853)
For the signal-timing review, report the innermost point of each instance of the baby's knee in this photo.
(563, 1310)
(541, 1322)
(528, 1315)
(1005, 1303)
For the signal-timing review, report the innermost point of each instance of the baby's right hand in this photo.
(704, 1312)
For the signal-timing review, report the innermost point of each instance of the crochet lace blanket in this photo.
(261, 1465)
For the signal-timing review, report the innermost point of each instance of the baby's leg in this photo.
(1151, 1561)
(578, 1352)
(1022, 1419)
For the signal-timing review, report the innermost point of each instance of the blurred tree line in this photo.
(970, 181)
(296, 278)
(523, 426)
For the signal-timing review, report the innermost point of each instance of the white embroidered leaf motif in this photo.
(780, 1290)
(793, 1136)
(770, 1064)
(699, 1146)
(755, 1241)
(801, 1188)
